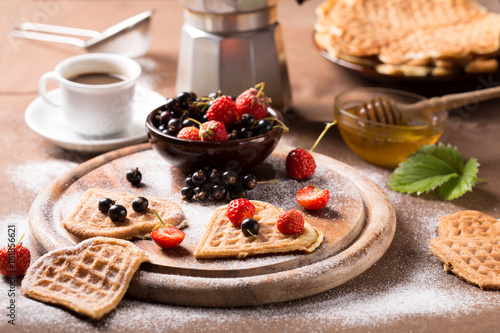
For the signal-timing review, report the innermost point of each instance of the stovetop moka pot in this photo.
(231, 45)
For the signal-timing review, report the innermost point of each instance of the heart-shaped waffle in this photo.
(87, 221)
(222, 239)
(469, 246)
(89, 278)
(468, 223)
(474, 259)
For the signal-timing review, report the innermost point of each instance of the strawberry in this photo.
(312, 197)
(239, 210)
(290, 222)
(14, 260)
(189, 133)
(213, 131)
(167, 236)
(300, 163)
(253, 101)
(222, 109)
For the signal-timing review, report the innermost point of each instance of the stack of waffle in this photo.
(469, 246)
(411, 38)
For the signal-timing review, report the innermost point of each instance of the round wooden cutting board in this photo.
(358, 225)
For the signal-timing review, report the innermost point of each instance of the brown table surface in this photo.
(406, 290)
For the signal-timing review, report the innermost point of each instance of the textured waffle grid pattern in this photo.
(468, 223)
(222, 239)
(413, 37)
(90, 278)
(475, 259)
(87, 221)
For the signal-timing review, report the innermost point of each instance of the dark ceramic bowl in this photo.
(236, 155)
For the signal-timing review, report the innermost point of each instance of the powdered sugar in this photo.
(407, 284)
(33, 176)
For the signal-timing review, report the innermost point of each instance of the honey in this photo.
(379, 148)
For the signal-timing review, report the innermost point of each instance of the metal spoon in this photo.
(387, 111)
(131, 37)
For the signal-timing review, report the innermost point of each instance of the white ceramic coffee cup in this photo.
(94, 110)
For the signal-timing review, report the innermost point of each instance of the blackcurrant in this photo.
(245, 133)
(199, 177)
(262, 126)
(213, 176)
(134, 176)
(140, 204)
(200, 194)
(189, 182)
(104, 205)
(174, 125)
(237, 192)
(229, 177)
(250, 227)
(117, 213)
(172, 104)
(247, 119)
(188, 122)
(184, 98)
(249, 182)
(187, 192)
(165, 117)
(218, 192)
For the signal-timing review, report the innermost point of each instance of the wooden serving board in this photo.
(358, 225)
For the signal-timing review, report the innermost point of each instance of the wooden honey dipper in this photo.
(387, 111)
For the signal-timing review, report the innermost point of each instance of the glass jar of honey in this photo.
(384, 144)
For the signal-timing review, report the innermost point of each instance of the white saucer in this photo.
(48, 121)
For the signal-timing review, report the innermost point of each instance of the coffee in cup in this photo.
(96, 92)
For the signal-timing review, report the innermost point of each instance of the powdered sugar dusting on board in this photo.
(414, 291)
(33, 176)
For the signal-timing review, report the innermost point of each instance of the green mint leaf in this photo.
(434, 166)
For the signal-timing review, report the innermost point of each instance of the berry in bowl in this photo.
(216, 131)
